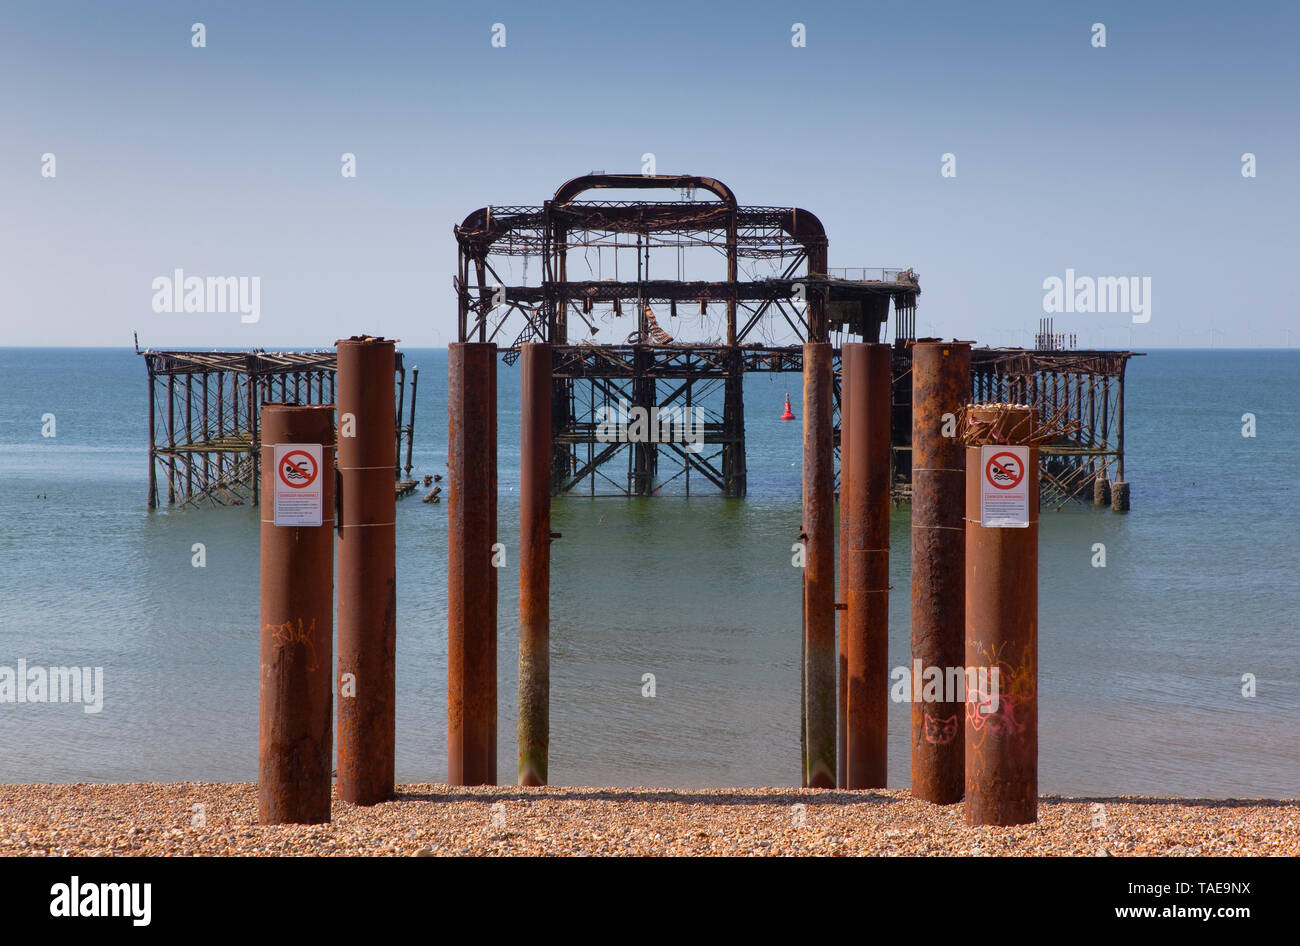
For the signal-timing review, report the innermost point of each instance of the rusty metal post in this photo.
(297, 624)
(848, 357)
(367, 574)
(471, 576)
(1002, 632)
(153, 439)
(819, 697)
(410, 427)
(864, 564)
(534, 729)
(940, 391)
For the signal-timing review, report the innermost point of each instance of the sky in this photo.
(1122, 160)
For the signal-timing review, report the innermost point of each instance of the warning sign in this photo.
(1004, 487)
(299, 497)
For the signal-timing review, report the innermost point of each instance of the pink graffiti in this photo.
(1001, 721)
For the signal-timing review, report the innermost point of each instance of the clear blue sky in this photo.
(225, 160)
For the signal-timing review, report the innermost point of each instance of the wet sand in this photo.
(436, 820)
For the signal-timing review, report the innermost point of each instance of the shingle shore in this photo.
(436, 820)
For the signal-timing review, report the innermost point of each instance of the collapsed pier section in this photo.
(203, 418)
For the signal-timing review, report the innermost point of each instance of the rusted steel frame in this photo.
(731, 274)
(700, 466)
(252, 407)
(401, 403)
(940, 386)
(819, 657)
(153, 436)
(189, 432)
(535, 566)
(367, 573)
(786, 274)
(171, 438)
(297, 622)
(864, 564)
(465, 304)
(734, 466)
(1105, 411)
(1119, 423)
(472, 578)
(1001, 745)
(410, 426)
(569, 190)
(806, 323)
(557, 328)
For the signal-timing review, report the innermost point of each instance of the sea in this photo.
(1172, 670)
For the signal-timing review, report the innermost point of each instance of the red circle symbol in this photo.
(1004, 470)
(298, 469)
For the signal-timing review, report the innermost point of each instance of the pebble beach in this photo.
(193, 818)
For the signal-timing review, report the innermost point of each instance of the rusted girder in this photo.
(367, 576)
(940, 391)
(471, 575)
(297, 623)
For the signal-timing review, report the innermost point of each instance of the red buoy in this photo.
(787, 415)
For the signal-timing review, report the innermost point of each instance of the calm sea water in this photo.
(1141, 662)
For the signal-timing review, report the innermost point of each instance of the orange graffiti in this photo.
(287, 635)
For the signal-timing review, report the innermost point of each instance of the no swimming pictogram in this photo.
(1004, 470)
(1004, 487)
(298, 469)
(299, 498)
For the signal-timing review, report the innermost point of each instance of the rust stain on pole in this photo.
(534, 729)
(940, 391)
(471, 576)
(819, 657)
(296, 659)
(1001, 632)
(864, 564)
(367, 585)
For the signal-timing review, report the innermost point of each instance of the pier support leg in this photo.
(733, 414)
(562, 454)
(1100, 488)
(297, 625)
(1119, 496)
(153, 444)
(471, 577)
(819, 697)
(940, 391)
(410, 424)
(534, 728)
(1002, 632)
(864, 564)
(644, 453)
(367, 575)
